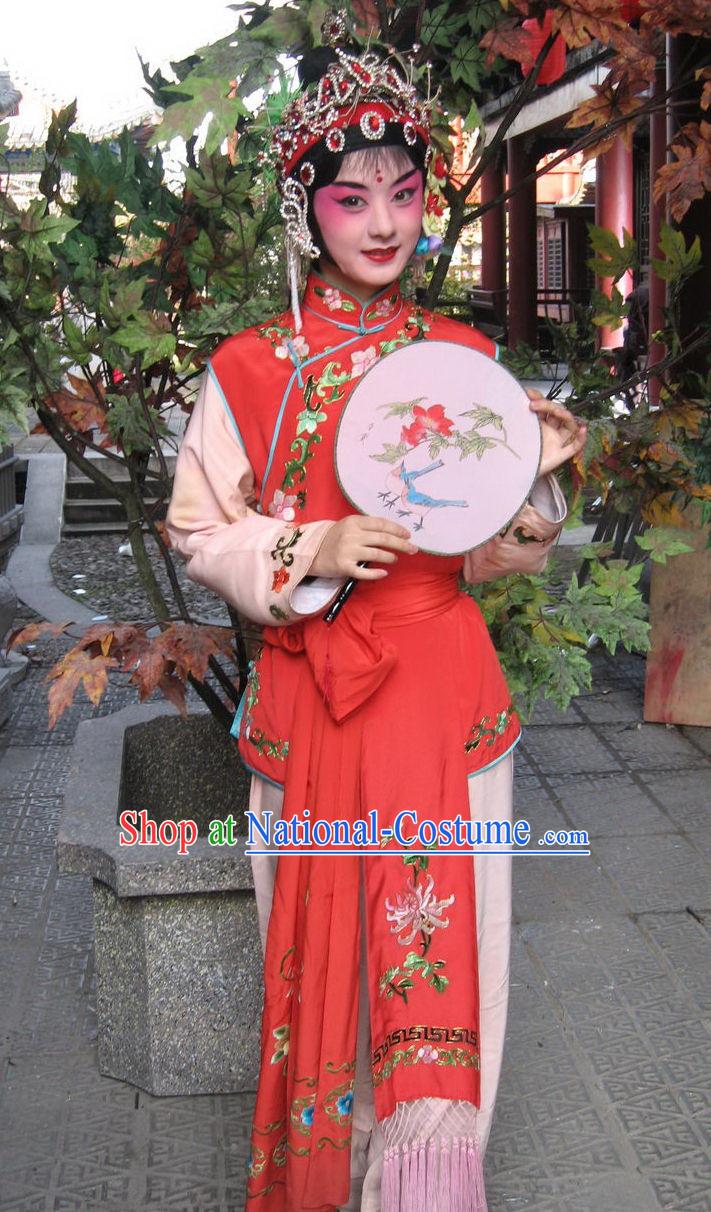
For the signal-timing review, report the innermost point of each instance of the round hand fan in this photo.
(440, 438)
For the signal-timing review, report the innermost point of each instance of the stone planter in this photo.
(177, 948)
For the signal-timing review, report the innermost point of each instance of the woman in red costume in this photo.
(386, 976)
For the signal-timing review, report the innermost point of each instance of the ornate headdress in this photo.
(356, 90)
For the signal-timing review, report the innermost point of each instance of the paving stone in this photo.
(700, 737)
(658, 872)
(608, 805)
(572, 750)
(567, 887)
(686, 945)
(685, 796)
(653, 747)
(612, 705)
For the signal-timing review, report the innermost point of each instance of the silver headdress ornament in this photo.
(357, 90)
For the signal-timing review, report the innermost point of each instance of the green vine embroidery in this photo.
(275, 333)
(404, 336)
(520, 537)
(485, 731)
(255, 736)
(284, 544)
(326, 389)
(413, 1056)
(272, 749)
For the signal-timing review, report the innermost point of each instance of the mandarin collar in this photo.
(340, 307)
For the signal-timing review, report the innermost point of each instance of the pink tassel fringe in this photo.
(433, 1176)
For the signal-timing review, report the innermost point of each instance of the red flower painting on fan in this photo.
(430, 427)
(426, 421)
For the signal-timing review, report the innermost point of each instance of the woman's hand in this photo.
(563, 435)
(357, 538)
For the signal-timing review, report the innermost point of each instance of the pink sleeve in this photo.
(525, 544)
(253, 562)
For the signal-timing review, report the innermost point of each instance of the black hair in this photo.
(327, 164)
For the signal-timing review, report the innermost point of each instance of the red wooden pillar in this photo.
(493, 230)
(493, 238)
(522, 275)
(657, 287)
(614, 209)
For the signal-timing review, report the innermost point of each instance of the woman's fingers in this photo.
(366, 574)
(378, 554)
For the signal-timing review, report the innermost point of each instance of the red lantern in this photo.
(553, 65)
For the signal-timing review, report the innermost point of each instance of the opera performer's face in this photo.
(370, 218)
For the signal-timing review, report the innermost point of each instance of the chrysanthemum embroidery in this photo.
(415, 911)
(338, 1103)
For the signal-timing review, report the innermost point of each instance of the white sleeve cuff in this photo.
(547, 497)
(314, 594)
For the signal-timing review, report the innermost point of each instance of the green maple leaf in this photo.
(39, 229)
(466, 64)
(612, 258)
(609, 312)
(661, 542)
(145, 335)
(204, 95)
(678, 260)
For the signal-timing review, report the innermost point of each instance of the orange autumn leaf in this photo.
(705, 75)
(163, 532)
(174, 691)
(684, 415)
(608, 105)
(510, 40)
(190, 645)
(32, 631)
(81, 415)
(582, 21)
(688, 177)
(83, 407)
(77, 668)
(635, 60)
(663, 511)
(149, 671)
(678, 17)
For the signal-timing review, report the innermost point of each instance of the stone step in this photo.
(112, 526)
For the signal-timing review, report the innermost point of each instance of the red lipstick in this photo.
(381, 255)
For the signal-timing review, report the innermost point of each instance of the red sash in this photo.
(367, 734)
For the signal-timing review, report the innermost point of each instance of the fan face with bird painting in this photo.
(441, 439)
